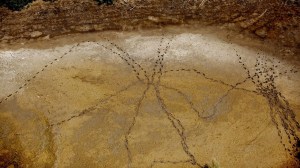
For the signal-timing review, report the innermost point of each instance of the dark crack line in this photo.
(137, 74)
(137, 111)
(287, 126)
(275, 122)
(94, 107)
(128, 59)
(158, 58)
(158, 66)
(210, 79)
(176, 123)
(28, 81)
(282, 116)
(192, 104)
(161, 61)
(223, 97)
(186, 99)
(290, 112)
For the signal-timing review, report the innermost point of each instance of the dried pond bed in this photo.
(143, 99)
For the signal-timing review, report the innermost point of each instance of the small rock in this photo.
(241, 18)
(153, 19)
(261, 32)
(46, 37)
(36, 34)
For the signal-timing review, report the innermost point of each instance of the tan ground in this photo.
(79, 101)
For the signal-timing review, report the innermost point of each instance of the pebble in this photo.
(262, 32)
(153, 19)
(36, 34)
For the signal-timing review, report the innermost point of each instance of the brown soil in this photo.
(69, 105)
(268, 20)
(10, 145)
(271, 22)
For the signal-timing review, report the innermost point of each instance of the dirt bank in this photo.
(272, 21)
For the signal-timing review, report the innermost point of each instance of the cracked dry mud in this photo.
(147, 99)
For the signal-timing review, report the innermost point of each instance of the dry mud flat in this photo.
(147, 100)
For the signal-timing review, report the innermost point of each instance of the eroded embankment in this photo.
(275, 21)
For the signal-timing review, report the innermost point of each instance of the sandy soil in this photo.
(180, 98)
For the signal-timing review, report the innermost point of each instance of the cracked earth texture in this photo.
(147, 99)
